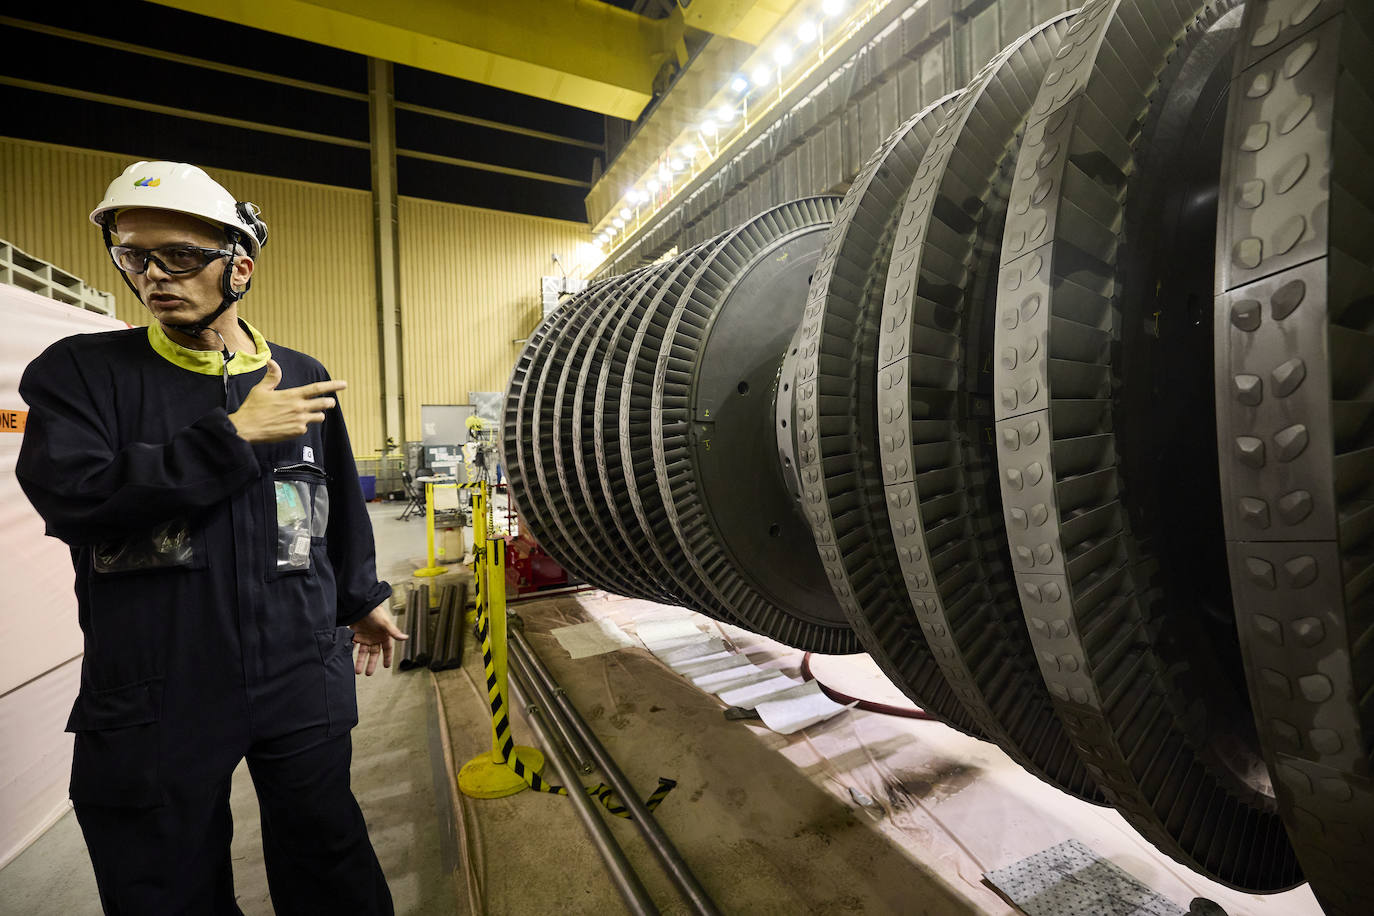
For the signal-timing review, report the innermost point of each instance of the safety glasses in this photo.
(172, 259)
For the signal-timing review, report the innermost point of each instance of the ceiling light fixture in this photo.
(807, 31)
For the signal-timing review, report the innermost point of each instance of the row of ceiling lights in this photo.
(706, 134)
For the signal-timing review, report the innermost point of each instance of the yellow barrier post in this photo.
(479, 521)
(479, 535)
(489, 775)
(433, 569)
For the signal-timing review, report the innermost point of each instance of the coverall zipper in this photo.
(226, 356)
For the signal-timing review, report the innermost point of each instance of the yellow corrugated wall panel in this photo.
(314, 289)
(46, 194)
(469, 286)
(318, 292)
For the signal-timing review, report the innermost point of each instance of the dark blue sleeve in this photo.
(352, 550)
(87, 487)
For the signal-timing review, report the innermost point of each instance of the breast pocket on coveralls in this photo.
(298, 499)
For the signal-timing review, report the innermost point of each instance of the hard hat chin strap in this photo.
(230, 295)
(227, 290)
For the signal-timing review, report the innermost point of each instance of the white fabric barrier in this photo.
(40, 641)
(35, 756)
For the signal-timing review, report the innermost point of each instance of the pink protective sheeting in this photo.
(39, 636)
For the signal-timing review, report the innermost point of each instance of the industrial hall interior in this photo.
(699, 457)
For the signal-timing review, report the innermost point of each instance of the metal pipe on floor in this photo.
(453, 644)
(631, 889)
(568, 746)
(544, 594)
(549, 692)
(421, 631)
(574, 747)
(412, 616)
(438, 659)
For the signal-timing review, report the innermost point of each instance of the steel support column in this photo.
(386, 245)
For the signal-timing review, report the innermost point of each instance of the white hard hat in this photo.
(181, 188)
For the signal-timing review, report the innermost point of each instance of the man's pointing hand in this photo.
(272, 414)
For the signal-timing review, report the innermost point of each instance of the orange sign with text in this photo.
(12, 421)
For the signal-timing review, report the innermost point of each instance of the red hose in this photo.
(904, 712)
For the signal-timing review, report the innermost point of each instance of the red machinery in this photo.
(529, 568)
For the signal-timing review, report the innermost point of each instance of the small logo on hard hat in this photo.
(147, 182)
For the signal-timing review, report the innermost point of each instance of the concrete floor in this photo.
(760, 834)
(862, 813)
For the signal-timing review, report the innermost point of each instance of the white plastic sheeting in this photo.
(785, 704)
(40, 642)
(35, 756)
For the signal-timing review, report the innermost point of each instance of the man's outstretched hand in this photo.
(373, 635)
(272, 414)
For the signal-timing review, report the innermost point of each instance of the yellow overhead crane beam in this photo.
(749, 21)
(578, 52)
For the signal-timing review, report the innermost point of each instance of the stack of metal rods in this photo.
(435, 647)
(448, 639)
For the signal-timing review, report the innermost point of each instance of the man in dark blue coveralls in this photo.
(224, 571)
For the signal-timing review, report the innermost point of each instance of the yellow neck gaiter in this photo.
(209, 362)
